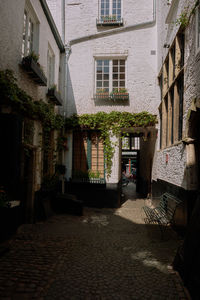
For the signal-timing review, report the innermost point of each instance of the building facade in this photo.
(177, 159)
(111, 48)
(32, 51)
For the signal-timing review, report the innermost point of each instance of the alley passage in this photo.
(105, 254)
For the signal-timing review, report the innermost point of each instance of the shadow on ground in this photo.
(104, 254)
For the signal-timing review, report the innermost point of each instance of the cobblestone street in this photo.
(105, 254)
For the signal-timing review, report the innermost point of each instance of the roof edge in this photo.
(52, 25)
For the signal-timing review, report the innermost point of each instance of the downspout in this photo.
(117, 30)
(63, 21)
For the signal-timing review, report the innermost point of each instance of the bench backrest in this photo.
(168, 204)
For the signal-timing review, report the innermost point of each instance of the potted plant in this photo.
(102, 93)
(119, 94)
(31, 65)
(54, 95)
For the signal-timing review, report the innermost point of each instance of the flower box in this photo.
(109, 21)
(34, 70)
(54, 96)
(120, 96)
(104, 96)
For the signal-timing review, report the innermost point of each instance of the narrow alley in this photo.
(104, 254)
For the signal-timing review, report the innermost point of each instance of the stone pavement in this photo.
(105, 254)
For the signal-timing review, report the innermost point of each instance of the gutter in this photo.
(52, 25)
(117, 30)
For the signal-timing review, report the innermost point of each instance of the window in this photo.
(30, 32)
(198, 29)
(110, 12)
(110, 8)
(50, 67)
(88, 155)
(171, 82)
(110, 75)
(130, 143)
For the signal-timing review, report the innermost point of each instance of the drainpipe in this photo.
(63, 21)
(117, 30)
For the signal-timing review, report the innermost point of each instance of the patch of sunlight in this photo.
(148, 260)
(133, 215)
(101, 220)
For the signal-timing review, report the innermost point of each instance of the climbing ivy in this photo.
(12, 94)
(110, 124)
(186, 14)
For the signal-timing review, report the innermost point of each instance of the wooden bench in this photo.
(163, 213)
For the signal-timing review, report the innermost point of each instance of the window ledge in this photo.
(34, 70)
(54, 96)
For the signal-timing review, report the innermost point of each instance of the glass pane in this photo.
(106, 69)
(122, 83)
(106, 76)
(125, 143)
(115, 70)
(99, 83)
(122, 69)
(122, 62)
(115, 83)
(115, 62)
(115, 76)
(106, 62)
(99, 76)
(106, 83)
(99, 62)
(122, 76)
(99, 70)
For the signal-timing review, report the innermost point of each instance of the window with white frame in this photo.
(111, 8)
(110, 75)
(198, 28)
(30, 32)
(50, 67)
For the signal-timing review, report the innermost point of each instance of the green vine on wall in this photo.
(12, 94)
(186, 15)
(110, 124)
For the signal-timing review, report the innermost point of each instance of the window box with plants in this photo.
(119, 94)
(34, 69)
(89, 176)
(111, 20)
(54, 95)
(102, 94)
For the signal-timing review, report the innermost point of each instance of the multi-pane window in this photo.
(110, 75)
(50, 67)
(88, 155)
(110, 8)
(172, 93)
(116, 9)
(130, 143)
(102, 75)
(28, 32)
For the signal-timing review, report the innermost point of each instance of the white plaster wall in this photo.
(11, 24)
(136, 45)
(141, 72)
(81, 15)
(175, 170)
(55, 7)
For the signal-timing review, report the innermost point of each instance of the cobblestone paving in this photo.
(105, 254)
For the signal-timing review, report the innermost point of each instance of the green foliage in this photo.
(11, 94)
(186, 14)
(34, 56)
(110, 124)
